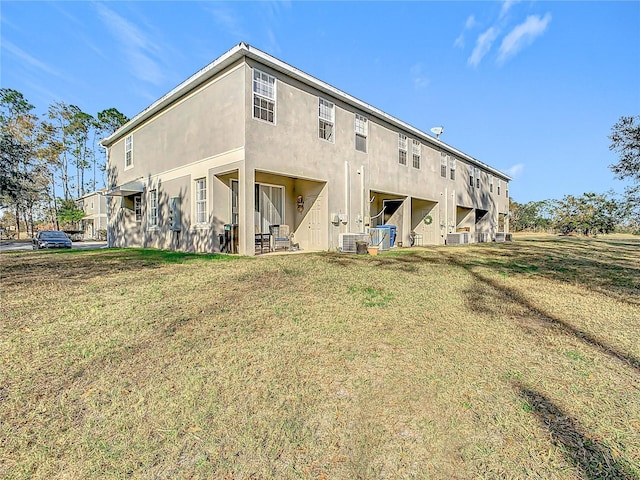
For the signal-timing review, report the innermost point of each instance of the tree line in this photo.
(48, 160)
(592, 213)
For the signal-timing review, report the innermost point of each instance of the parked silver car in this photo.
(51, 239)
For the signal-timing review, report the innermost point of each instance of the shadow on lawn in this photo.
(512, 295)
(591, 457)
(603, 266)
(80, 265)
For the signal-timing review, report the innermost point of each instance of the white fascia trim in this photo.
(192, 82)
(291, 71)
(245, 50)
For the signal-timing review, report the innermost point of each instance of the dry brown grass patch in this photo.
(487, 361)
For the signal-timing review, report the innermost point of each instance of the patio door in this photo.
(269, 208)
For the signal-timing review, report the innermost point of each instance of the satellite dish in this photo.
(437, 131)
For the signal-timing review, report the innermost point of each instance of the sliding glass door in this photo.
(269, 208)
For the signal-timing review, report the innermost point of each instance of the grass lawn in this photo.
(517, 360)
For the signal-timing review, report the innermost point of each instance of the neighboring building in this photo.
(94, 223)
(254, 142)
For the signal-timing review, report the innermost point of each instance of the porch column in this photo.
(246, 207)
(406, 222)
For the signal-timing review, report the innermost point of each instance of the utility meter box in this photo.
(175, 219)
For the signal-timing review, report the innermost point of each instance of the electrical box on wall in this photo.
(344, 218)
(175, 220)
(335, 218)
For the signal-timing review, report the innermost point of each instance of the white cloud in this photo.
(470, 23)
(515, 170)
(228, 20)
(141, 52)
(483, 45)
(522, 36)
(420, 79)
(506, 6)
(28, 59)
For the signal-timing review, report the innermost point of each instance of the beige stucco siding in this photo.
(208, 131)
(291, 148)
(206, 122)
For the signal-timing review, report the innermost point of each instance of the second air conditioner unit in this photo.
(347, 241)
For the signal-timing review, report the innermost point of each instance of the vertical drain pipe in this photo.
(454, 221)
(346, 193)
(362, 198)
(446, 213)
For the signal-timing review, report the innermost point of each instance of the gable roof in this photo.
(242, 50)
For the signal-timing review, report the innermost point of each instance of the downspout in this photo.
(446, 213)
(362, 199)
(346, 193)
(107, 199)
(454, 219)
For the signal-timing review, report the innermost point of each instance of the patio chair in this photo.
(280, 237)
(263, 242)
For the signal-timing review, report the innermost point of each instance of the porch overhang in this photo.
(126, 189)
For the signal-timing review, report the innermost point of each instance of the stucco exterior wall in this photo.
(291, 147)
(204, 123)
(209, 132)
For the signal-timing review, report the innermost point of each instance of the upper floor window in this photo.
(402, 149)
(361, 127)
(264, 96)
(491, 183)
(452, 168)
(471, 182)
(416, 148)
(153, 208)
(477, 178)
(499, 185)
(201, 200)
(443, 165)
(128, 151)
(137, 207)
(326, 119)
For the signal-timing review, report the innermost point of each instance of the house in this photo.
(250, 142)
(94, 223)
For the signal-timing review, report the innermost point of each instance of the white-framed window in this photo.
(269, 206)
(471, 176)
(452, 168)
(490, 183)
(443, 164)
(361, 127)
(402, 149)
(499, 185)
(137, 207)
(201, 200)
(264, 96)
(326, 119)
(416, 148)
(477, 177)
(128, 151)
(153, 208)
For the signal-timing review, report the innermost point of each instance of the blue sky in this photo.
(531, 88)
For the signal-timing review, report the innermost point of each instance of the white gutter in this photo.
(189, 84)
(245, 50)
